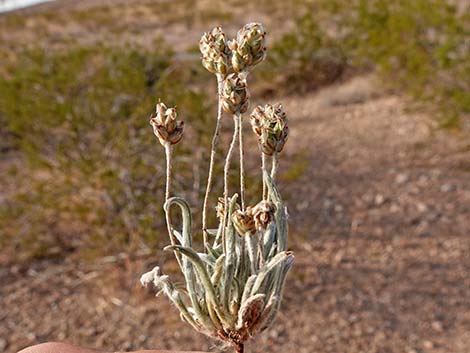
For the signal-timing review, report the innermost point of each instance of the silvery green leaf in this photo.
(248, 287)
(218, 269)
(163, 282)
(230, 258)
(251, 242)
(178, 236)
(186, 241)
(269, 238)
(280, 215)
(276, 260)
(212, 232)
(215, 251)
(211, 297)
(283, 274)
(269, 311)
(199, 264)
(207, 258)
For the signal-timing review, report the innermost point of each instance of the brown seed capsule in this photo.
(215, 52)
(165, 126)
(220, 208)
(244, 222)
(248, 49)
(263, 214)
(269, 123)
(235, 95)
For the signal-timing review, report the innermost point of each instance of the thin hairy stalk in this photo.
(215, 139)
(242, 162)
(168, 171)
(263, 169)
(228, 159)
(275, 165)
(172, 236)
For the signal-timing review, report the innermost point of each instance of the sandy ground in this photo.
(381, 234)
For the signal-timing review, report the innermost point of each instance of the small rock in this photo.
(428, 344)
(379, 199)
(3, 344)
(401, 178)
(423, 180)
(394, 208)
(338, 208)
(437, 325)
(421, 207)
(448, 188)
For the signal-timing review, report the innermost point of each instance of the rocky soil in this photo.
(380, 229)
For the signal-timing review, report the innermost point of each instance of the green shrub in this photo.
(80, 117)
(420, 46)
(307, 58)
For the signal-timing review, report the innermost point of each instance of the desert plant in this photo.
(418, 47)
(234, 286)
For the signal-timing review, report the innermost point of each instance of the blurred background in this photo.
(376, 172)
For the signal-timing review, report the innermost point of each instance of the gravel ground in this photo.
(380, 229)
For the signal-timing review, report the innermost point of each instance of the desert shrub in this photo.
(308, 58)
(80, 118)
(418, 46)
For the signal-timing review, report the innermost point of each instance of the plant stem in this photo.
(263, 169)
(242, 166)
(228, 158)
(274, 167)
(168, 170)
(215, 139)
(167, 196)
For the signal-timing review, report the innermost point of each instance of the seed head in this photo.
(248, 49)
(244, 222)
(165, 126)
(263, 214)
(215, 52)
(235, 94)
(220, 208)
(269, 123)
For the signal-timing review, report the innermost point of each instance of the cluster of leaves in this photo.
(79, 117)
(419, 46)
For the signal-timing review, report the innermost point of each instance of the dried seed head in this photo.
(220, 208)
(165, 126)
(248, 49)
(250, 311)
(235, 94)
(269, 123)
(215, 52)
(263, 214)
(244, 222)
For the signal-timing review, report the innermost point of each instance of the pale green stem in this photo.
(263, 169)
(173, 239)
(228, 158)
(260, 249)
(242, 163)
(275, 166)
(215, 139)
(168, 170)
(252, 252)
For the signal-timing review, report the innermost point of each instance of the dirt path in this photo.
(379, 209)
